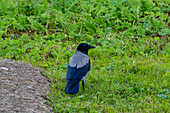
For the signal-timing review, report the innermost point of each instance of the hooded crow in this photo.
(78, 68)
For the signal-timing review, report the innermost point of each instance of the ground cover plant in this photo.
(130, 65)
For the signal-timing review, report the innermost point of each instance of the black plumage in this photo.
(78, 68)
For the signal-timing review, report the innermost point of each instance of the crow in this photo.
(78, 68)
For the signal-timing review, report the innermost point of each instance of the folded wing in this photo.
(78, 67)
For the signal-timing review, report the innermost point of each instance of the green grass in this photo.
(130, 66)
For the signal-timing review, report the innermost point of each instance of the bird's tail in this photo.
(72, 87)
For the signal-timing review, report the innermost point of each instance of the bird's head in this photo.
(84, 48)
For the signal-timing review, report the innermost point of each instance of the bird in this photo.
(78, 68)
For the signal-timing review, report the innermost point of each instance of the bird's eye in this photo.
(87, 47)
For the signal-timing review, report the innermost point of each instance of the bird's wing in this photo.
(76, 73)
(73, 77)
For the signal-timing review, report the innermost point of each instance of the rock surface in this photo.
(22, 88)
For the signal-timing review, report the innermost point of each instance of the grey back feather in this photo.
(79, 59)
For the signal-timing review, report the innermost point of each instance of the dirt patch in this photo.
(22, 88)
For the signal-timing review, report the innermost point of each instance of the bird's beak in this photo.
(90, 46)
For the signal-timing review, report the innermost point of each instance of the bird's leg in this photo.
(83, 85)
